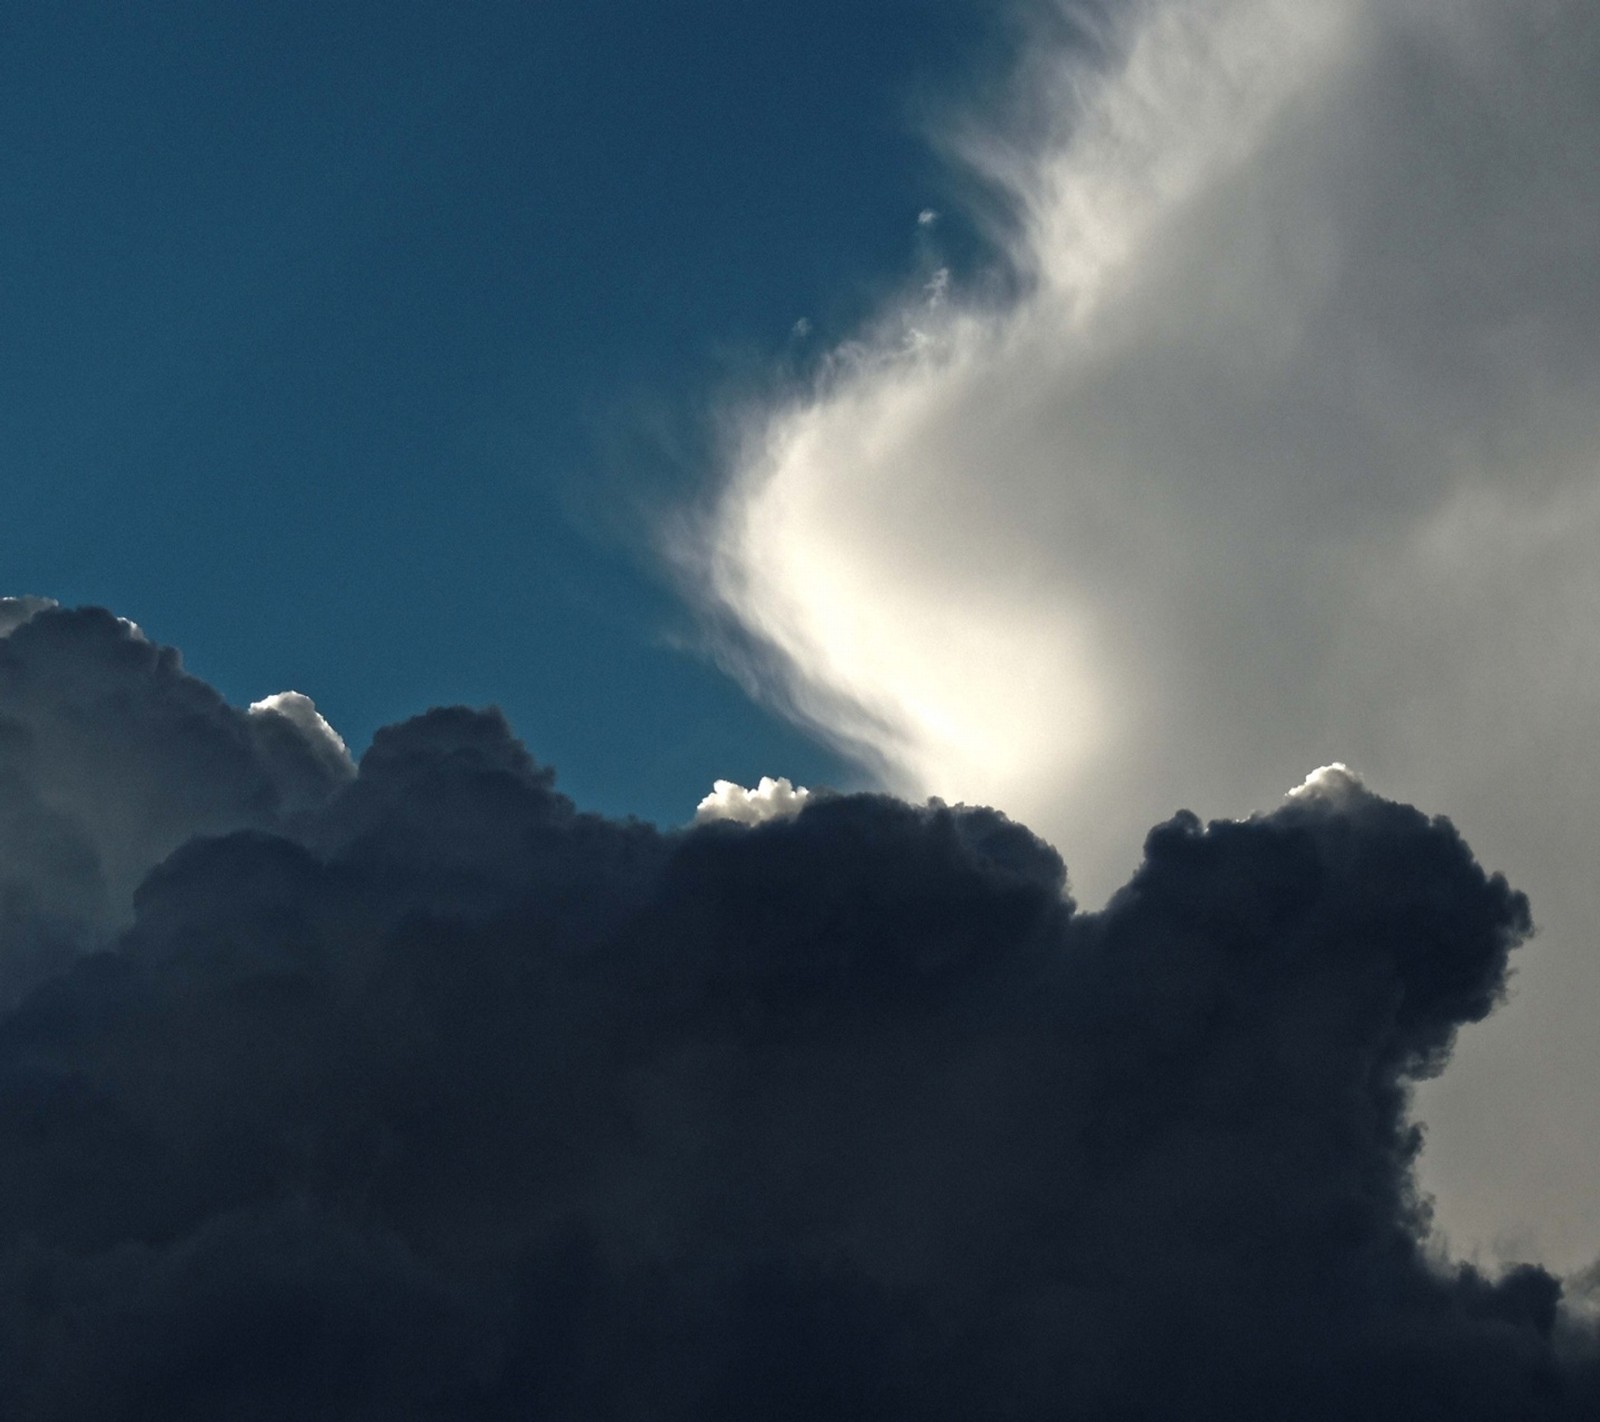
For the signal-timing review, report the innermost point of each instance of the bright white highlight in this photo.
(1336, 784)
(770, 800)
(1290, 445)
(301, 712)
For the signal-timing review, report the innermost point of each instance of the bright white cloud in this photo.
(770, 800)
(1287, 451)
(1335, 783)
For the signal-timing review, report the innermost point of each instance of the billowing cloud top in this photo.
(1336, 783)
(435, 1097)
(301, 713)
(770, 800)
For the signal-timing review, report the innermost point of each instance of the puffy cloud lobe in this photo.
(444, 1099)
(770, 800)
(308, 753)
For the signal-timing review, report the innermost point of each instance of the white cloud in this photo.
(1287, 451)
(770, 800)
(1335, 783)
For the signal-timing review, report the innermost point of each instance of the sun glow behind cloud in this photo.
(1286, 453)
(1282, 311)
(880, 626)
(922, 552)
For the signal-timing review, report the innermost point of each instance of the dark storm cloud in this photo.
(442, 1099)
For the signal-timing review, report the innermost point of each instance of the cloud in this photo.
(301, 712)
(442, 1098)
(770, 800)
(1336, 783)
(111, 756)
(14, 611)
(1284, 451)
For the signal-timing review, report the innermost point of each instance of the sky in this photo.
(349, 346)
(1089, 411)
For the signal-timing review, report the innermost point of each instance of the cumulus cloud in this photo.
(111, 756)
(1285, 450)
(441, 1098)
(770, 800)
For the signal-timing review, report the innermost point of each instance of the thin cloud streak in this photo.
(1286, 454)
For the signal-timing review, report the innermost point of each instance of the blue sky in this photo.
(340, 338)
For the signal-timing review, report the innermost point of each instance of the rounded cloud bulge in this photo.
(1284, 450)
(770, 800)
(300, 712)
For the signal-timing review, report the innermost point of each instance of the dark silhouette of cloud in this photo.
(427, 1095)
